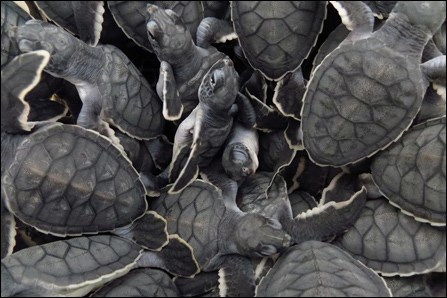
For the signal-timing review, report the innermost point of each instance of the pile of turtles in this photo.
(208, 148)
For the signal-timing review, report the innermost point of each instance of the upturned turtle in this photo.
(411, 172)
(131, 17)
(366, 93)
(110, 86)
(392, 243)
(64, 179)
(83, 18)
(218, 234)
(318, 269)
(183, 64)
(76, 266)
(201, 135)
(142, 282)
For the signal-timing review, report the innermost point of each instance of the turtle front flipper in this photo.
(189, 172)
(246, 113)
(176, 257)
(289, 92)
(213, 30)
(435, 72)
(236, 277)
(46, 110)
(8, 231)
(168, 92)
(202, 283)
(150, 231)
(19, 77)
(339, 207)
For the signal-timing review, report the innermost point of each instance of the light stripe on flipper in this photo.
(289, 93)
(8, 231)
(178, 162)
(213, 30)
(189, 172)
(18, 77)
(236, 277)
(46, 110)
(356, 16)
(150, 231)
(177, 257)
(172, 104)
(68, 267)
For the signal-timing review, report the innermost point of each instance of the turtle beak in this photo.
(151, 8)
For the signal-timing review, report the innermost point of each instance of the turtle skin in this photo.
(411, 173)
(65, 180)
(276, 36)
(359, 100)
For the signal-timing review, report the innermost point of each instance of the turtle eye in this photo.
(213, 80)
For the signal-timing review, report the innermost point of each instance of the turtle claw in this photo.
(167, 90)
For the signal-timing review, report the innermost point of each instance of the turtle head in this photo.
(167, 33)
(39, 35)
(429, 14)
(239, 161)
(220, 86)
(259, 236)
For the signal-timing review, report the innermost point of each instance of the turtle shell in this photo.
(276, 36)
(66, 180)
(12, 15)
(392, 243)
(194, 214)
(68, 267)
(411, 173)
(318, 269)
(133, 106)
(361, 98)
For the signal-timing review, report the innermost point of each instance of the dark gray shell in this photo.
(411, 173)
(140, 116)
(391, 243)
(12, 16)
(318, 269)
(131, 17)
(144, 282)
(276, 36)
(359, 100)
(66, 180)
(66, 267)
(195, 215)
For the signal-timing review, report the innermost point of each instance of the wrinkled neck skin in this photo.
(403, 37)
(186, 64)
(227, 230)
(220, 118)
(85, 66)
(10, 143)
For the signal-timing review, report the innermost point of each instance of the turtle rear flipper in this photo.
(168, 92)
(19, 77)
(176, 257)
(237, 277)
(150, 231)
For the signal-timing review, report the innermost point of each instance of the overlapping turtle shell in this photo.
(392, 243)
(361, 98)
(319, 269)
(276, 36)
(411, 173)
(68, 180)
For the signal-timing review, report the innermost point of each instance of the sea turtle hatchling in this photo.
(366, 93)
(110, 86)
(64, 179)
(183, 64)
(411, 172)
(392, 243)
(201, 135)
(76, 266)
(218, 234)
(318, 269)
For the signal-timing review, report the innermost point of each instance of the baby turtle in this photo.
(366, 93)
(392, 243)
(411, 172)
(76, 266)
(131, 17)
(210, 123)
(412, 286)
(218, 234)
(83, 18)
(183, 64)
(110, 86)
(318, 269)
(143, 282)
